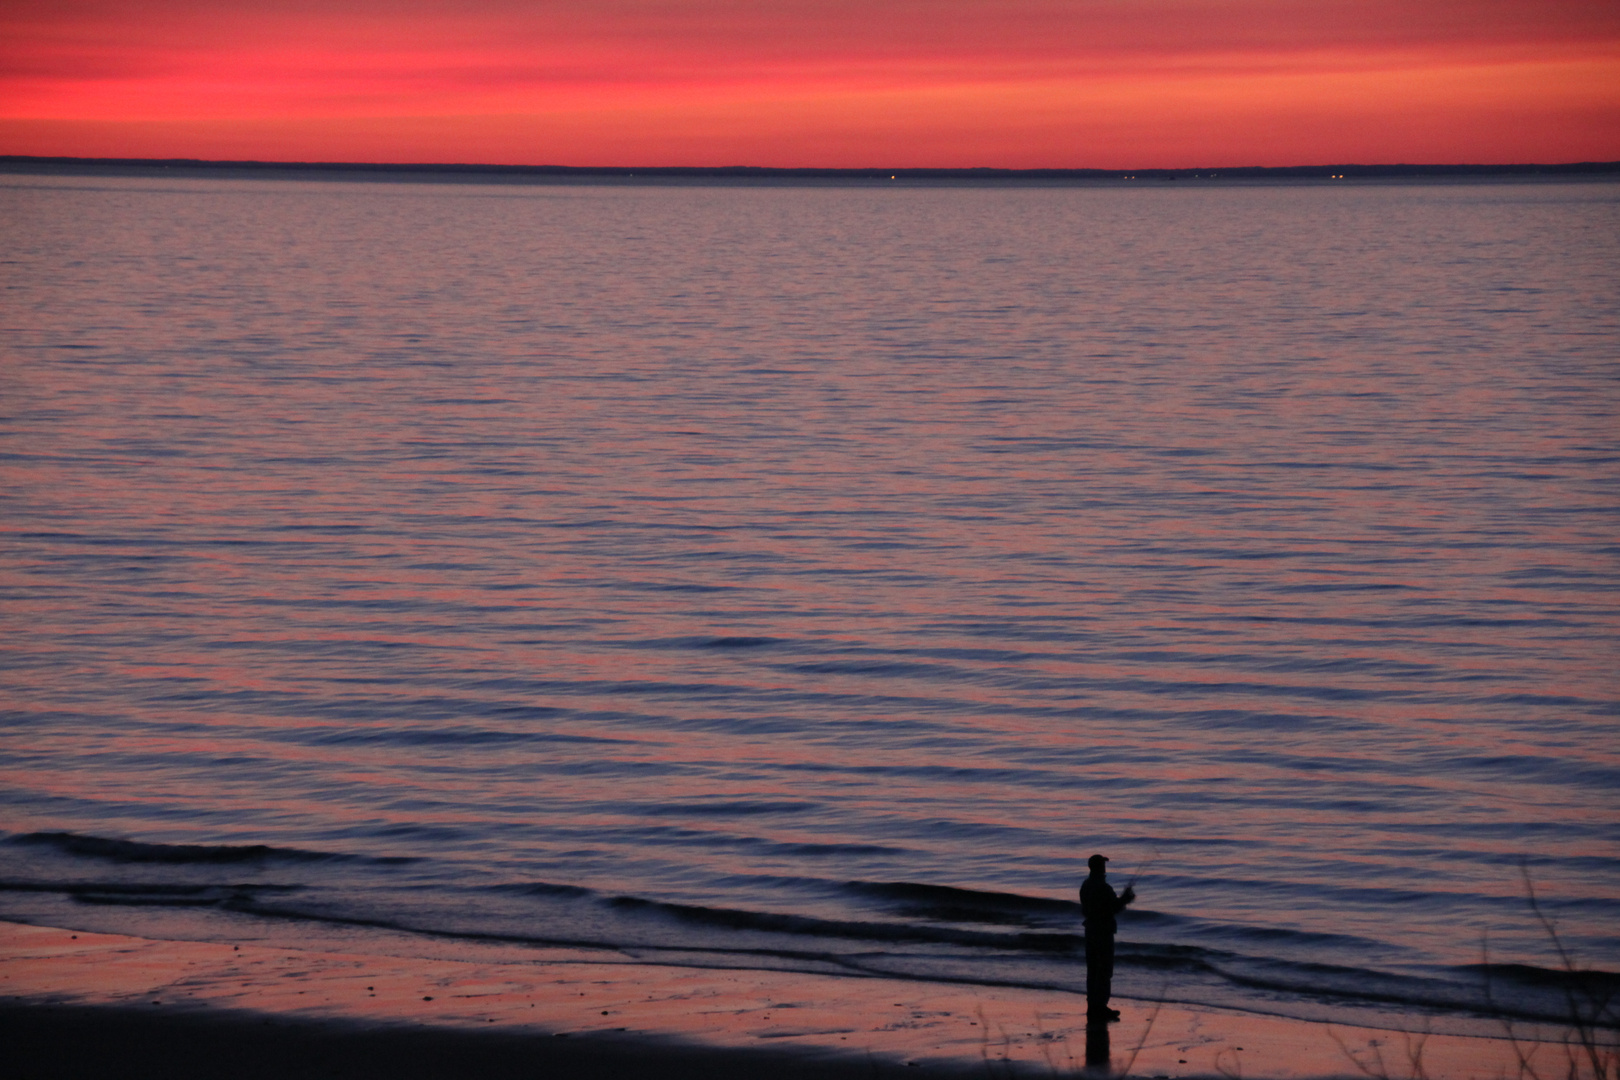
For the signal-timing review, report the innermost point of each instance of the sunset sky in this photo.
(838, 83)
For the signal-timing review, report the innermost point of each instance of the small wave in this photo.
(126, 900)
(543, 888)
(134, 851)
(897, 668)
(945, 903)
(145, 895)
(395, 736)
(810, 926)
(733, 808)
(1265, 936)
(736, 642)
(1604, 985)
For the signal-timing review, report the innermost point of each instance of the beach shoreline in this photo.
(80, 1004)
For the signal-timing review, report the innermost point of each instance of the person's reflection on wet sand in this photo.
(1098, 1051)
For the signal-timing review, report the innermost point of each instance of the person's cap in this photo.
(1096, 861)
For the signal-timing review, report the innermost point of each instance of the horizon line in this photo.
(1341, 171)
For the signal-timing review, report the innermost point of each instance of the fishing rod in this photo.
(1153, 857)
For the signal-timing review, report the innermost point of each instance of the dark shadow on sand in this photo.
(70, 1042)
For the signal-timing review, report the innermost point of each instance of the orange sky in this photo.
(1010, 83)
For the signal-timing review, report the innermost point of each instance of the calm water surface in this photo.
(815, 577)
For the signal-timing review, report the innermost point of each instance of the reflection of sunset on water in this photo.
(705, 571)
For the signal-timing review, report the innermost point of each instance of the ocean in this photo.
(813, 577)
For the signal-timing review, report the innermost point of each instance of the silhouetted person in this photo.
(1098, 906)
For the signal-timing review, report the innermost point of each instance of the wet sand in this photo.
(75, 1004)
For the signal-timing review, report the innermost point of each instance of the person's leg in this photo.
(1098, 972)
(1105, 970)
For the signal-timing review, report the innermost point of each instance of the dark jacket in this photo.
(1099, 905)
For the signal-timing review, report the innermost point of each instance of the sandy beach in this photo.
(79, 1004)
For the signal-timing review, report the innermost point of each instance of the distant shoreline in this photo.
(472, 173)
